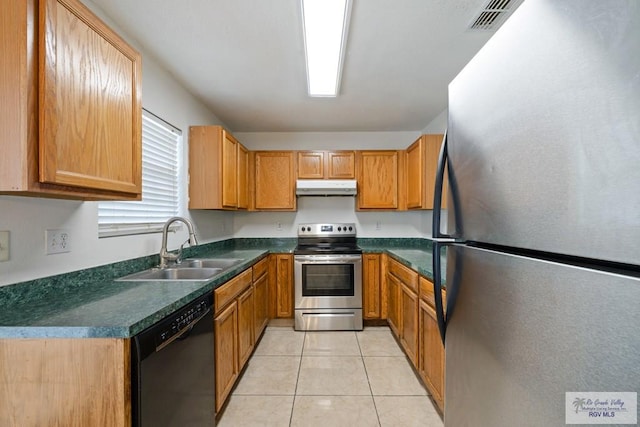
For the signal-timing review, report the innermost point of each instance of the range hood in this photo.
(326, 187)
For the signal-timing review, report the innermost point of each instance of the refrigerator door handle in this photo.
(438, 244)
(437, 194)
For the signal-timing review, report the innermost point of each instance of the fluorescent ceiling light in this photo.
(325, 24)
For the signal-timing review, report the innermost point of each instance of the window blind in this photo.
(160, 190)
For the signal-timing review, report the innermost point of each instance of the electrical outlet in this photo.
(58, 241)
(4, 246)
(378, 225)
(279, 226)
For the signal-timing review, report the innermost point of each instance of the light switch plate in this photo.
(4, 246)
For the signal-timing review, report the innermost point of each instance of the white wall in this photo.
(439, 124)
(27, 218)
(326, 140)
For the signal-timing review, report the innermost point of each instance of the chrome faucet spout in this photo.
(165, 255)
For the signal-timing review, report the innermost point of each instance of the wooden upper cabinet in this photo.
(74, 87)
(378, 185)
(243, 177)
(341, 165)
(326, 164)
(422, 163)
(311, 165)
(218, 169)
(275, 180)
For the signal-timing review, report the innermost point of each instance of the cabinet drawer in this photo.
(260, 268)
(427, 293)
(227, 292)
(405, 274)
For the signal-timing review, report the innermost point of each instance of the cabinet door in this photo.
(229, 171)
(90, 102)
(226, 331)
(284, 286)
(378, 180)
(409, 323)
(422, 163)
(311, 164)
(341, 165)
(275, 180)
(246, 328)
(261, 301)
(431, 354)
(372, 286)
(243, 177)
(393, 296)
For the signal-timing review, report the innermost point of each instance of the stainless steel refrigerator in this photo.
(543, 159)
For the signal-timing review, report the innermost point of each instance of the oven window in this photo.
(321, 280)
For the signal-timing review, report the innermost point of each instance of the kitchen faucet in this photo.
(166, 256)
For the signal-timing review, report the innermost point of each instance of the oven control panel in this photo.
(326, 230)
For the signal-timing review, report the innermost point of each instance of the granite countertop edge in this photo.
(106, 308)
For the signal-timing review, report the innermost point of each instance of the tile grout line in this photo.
(295, 390)
(368, 381)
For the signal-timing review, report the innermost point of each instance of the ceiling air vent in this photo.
(493, 14)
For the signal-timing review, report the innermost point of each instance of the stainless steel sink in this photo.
(174, 274)
(223, 263)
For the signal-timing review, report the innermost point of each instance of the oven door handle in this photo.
(327, 259)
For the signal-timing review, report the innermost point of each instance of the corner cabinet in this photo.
(378, 180)
(326, 164)
(74, 87)
(372, 287)
(281, 296)
(218, 169)
(275, 180)
(422, 163)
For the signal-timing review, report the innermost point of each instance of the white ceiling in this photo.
(245, 60)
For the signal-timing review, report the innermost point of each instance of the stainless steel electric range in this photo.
(328, 278)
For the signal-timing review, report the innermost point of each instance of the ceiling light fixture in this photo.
(325, 26)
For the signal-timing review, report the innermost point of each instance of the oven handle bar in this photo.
(327, 259)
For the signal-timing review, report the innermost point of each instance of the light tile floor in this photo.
(309, 379)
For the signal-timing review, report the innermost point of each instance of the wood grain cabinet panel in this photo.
(393, 301)
(341, 165)
(74, 86)
(409, 329)
(261, 301)
(275, 180)
(431, 354)
(226, 351)
(422, 163)
(326, 164)
(246, 328)
(311, 164)
(65, 382)
(378, 179)
(281, 286)
(372, 286)
(218, 170)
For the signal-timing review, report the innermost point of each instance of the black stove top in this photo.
(338, 238)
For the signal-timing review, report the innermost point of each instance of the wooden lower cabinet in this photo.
(281, 286)
(371, 287)
(431, 360)
(226, 351)
(246, 328)
(393, 302)
(240, 318)
(65, 382)
(412, 318)
(261, 302)
(409, 322)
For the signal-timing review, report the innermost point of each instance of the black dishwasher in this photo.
(173, 372)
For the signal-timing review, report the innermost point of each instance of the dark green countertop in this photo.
(90, 303)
